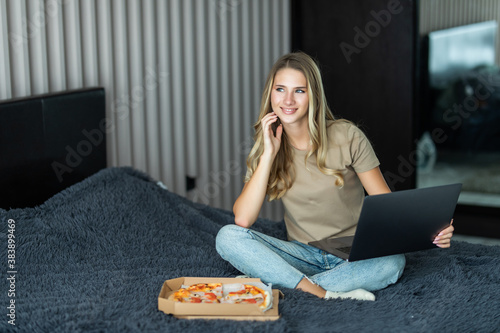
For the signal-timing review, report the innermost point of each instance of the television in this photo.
(456, 50)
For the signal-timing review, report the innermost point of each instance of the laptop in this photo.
(397, 222)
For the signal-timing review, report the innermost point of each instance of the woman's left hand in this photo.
(444, 237)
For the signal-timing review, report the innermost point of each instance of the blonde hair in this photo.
(282, 174)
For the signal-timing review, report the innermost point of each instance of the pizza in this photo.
(234, 293)
(248, 294)
(198, 293)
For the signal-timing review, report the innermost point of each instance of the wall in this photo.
(183, 78)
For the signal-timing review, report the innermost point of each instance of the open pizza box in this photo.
(212, 310)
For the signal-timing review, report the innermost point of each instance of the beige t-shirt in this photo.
(314, 207)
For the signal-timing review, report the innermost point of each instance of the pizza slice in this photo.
(234, 293)
(198, 293)
(248, 294)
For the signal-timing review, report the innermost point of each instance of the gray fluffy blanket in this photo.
(94, 257)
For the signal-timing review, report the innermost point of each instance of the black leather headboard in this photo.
(49, 142)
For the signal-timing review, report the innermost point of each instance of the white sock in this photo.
(359, 294)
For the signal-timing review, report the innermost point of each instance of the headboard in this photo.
(49, 142)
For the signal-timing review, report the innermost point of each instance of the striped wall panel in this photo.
(183, 78)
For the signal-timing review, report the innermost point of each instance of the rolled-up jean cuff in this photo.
(302, 278)
(307, 278)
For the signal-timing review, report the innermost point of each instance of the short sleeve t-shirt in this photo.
(315, 207)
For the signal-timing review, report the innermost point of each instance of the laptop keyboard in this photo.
(346, 249)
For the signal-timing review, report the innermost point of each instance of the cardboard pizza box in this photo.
(211, 310)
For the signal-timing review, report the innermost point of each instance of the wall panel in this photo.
(183, 78)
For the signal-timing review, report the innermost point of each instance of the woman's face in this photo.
(289, 97)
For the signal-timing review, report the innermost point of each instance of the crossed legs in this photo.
(296, 265)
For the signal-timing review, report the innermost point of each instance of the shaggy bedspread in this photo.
(94, 257)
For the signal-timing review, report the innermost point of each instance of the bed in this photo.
(93, 258)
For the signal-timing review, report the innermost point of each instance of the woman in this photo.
(319, 167)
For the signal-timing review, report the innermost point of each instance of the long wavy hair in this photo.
(282, 174)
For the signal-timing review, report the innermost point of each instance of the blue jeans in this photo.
(286, 263)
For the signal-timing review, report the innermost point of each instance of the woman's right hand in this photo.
(272, 143)
(247, 206)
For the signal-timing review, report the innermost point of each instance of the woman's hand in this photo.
(444, 237)
(247, 206)
(271, 143)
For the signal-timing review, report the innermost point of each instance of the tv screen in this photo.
(456, 50)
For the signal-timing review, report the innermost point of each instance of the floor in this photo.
(479, 174)
(477, 240)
